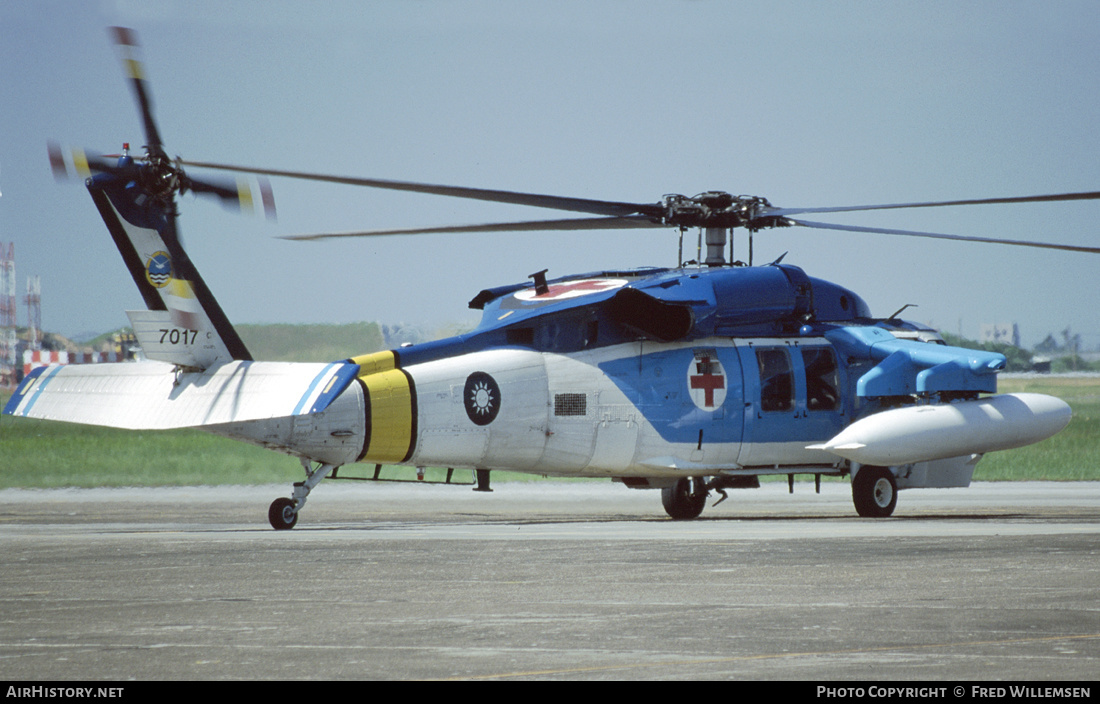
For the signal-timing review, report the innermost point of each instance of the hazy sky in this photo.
(805, 103)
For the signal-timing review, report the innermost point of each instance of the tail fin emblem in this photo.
(159, 269)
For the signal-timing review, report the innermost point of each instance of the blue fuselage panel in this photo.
(688, 395)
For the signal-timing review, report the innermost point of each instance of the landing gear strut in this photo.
(283, 513)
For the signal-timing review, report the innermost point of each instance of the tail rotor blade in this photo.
(127, 42)
(78, 163)
(226, 192)
(267, 197)
(57, 161)
(237, 194)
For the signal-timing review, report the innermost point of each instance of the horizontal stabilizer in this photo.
(163, 340)
(152, 395)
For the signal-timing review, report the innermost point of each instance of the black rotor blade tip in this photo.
(57, 160)
(124, 36)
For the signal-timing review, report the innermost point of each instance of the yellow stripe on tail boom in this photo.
(391, 408)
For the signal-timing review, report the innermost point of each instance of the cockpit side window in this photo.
(822, 381)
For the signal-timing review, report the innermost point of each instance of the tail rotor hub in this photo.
(160, 177)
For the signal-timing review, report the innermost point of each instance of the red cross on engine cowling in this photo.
(580, 286)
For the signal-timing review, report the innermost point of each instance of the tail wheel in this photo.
(874, 492)
(685, 499)
(282, 514)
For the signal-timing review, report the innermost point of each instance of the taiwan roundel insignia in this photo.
(159, 269)
(481, 398)
(706, 380)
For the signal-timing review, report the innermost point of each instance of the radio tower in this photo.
(8, 339)
(34, 313)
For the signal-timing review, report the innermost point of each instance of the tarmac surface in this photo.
(585, 580)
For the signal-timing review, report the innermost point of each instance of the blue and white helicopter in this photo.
(690, 380)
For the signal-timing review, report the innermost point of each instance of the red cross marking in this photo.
(707, 381)
(590, 285)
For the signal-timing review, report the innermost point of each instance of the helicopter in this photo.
(693, 380)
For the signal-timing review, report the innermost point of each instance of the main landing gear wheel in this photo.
(282, 515)
(874, 492)
(685, 499)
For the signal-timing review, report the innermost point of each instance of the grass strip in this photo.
(46, 454)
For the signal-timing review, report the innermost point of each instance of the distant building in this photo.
(1040, 364)
(1004, 333)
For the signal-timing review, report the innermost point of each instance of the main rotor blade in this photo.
(1089, 195)
(580, 205)
(127, 42)
(933, 235)
(639, 221)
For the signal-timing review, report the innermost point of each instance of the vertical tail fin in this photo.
(184, 324)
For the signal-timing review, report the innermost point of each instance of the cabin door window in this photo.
(776, 379)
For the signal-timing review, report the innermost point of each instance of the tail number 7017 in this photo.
(176, 336)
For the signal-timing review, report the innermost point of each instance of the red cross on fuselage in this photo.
(707, 381)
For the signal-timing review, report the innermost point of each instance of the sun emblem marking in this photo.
(481, 397)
